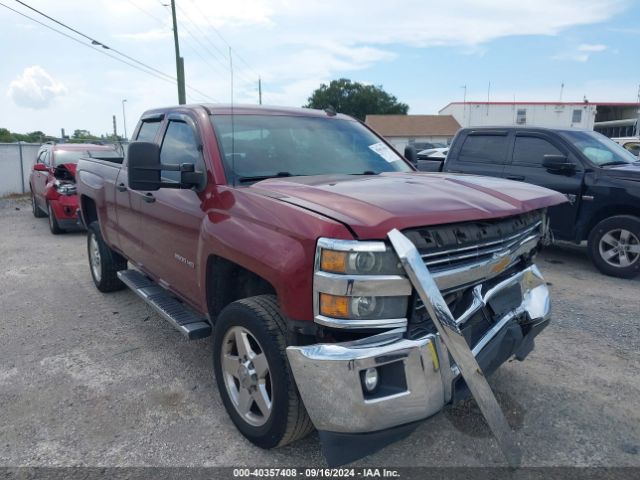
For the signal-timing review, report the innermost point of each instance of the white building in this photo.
(541, 114)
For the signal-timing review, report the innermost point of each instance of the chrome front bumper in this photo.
(329, 375)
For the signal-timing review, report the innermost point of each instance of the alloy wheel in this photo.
(247, 377)
(620, 248)
(94, 257)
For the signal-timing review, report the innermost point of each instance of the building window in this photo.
(577, 116)
(521, 116)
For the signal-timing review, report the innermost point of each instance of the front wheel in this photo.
(104, 263)
(614, 246)
(253, 375)
(35, 209)
(53, 221)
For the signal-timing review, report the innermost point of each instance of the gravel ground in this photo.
(96, 379)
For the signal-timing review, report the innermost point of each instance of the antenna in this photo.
(561, 90)
(233, 131)
(259, 91)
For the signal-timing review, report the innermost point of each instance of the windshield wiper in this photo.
(257, 178)
(366, 172)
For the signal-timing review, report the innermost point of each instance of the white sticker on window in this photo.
(384, 151)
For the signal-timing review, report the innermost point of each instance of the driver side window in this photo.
(179, 145)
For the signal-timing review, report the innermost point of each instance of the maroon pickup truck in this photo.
(267, 229)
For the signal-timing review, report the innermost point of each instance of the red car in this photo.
(53, 183)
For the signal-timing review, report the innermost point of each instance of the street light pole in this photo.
(124, 119)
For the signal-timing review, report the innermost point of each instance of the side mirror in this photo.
(40, 167)
(411, 154)
(558, 164)
(144, 167)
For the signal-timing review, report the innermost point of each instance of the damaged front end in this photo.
(472, 299)
(62, 196)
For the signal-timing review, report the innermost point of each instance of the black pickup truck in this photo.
(600, 179)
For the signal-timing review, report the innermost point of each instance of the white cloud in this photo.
(589, 47)
(582, 53)
(35, 88)
(300, 43)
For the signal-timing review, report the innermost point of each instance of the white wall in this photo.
(546, 115)
(400, 142)
(10, 166)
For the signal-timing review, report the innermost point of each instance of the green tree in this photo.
(355, 99)
(6, 136)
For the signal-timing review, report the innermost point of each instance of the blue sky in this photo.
(421, 51)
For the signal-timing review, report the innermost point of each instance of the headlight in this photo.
(64, 188)
(360, 263)
(359, 284)
(362, 307)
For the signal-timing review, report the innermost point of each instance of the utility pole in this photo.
(115, 130)
(124, 119)
(182, 97)
(259, 91)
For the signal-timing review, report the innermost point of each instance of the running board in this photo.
(179, 315)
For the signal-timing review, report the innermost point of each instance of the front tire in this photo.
(53, 222)
(35, 209)
(104, 262)
(614, 246)
(253, 374)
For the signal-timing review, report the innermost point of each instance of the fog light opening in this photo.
(370, 379)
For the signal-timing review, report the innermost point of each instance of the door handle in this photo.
(122, 187)
(149, 198)
(519, 178)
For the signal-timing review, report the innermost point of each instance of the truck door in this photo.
(529, 149)
(170, 218)
(129, 227)
(482, 152)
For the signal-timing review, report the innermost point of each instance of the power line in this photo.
(137, 64)
(93, 40)
(220, 52)
(146, 12)
(86, 45)
(222, 38)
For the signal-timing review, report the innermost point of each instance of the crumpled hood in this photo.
(66, 171)
(373, 205)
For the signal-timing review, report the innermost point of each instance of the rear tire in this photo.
(104, 263)
(614, 246)
(53, 222)
(253, 330)
(35, 209)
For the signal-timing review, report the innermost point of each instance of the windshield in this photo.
(72, 156)
(599, 149)
(263, 146)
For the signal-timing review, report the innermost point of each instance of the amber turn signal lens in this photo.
(332, 261)
(334, 306)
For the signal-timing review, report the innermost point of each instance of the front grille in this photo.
(451, 246)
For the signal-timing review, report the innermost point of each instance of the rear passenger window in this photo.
(484, 149)
(531, 151)
(148, 131)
